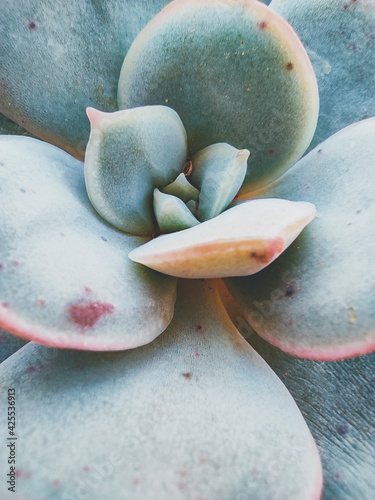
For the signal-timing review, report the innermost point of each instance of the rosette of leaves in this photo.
(214, 100)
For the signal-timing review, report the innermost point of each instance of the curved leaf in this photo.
(238, 242)
(235, 72)
(182, 188)
(65, 279)
(196, 414)
(218, 171)
(339, 37)
(336, 398)
(56, 59)
(171, 213)
(130, 153)
(318, 299)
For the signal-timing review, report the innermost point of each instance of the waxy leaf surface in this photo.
(65, 279)
(318, 299)
(57, 58)
(238, 242)
(129, 154)
(218, 171)
(337, 401)
(339, 36)
(235, 72)
(195, 414)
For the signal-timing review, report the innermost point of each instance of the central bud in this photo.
(136, 180)
(135, 175)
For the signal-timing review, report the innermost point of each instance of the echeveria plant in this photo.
(167, 232)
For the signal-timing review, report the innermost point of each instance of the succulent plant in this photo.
(165, 276)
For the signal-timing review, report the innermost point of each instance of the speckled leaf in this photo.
(337, 400)
(171, 213)
(235, 72)
(65, 279)
(9, 344)
(339, 36)
(218, 171)
(58, 58)
(238, 242)
(318, 299)
(195, 414)
(130, 153)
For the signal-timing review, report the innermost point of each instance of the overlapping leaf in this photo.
(65, 279)
(318, 299)
(195, 414)
(58, 58)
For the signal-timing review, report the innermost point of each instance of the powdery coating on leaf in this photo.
(331, 268)
(66, 280)
(238, 242)
(129, 154)
(69, 60)
(159, 422)
(171, 213)
(218, 171)
(337, 401)
(339, 36)
(224, 66)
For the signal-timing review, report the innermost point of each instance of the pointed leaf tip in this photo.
(150, 141)
(95, 116)
(238, 242)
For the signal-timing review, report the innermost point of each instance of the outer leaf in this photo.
(129, 154)
(318, 299)
(196, 414)
(9, 344)
(238, 242)
(65, 279)
(337, 402)
(235, 72)
(58, 58)
(339, 37)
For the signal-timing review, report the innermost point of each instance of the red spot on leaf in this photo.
(262, 25)
(196, 354)
(199, 328)
(86, 468)
(42, 303)
(86, 314)
(32, 25)
(187, 375)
